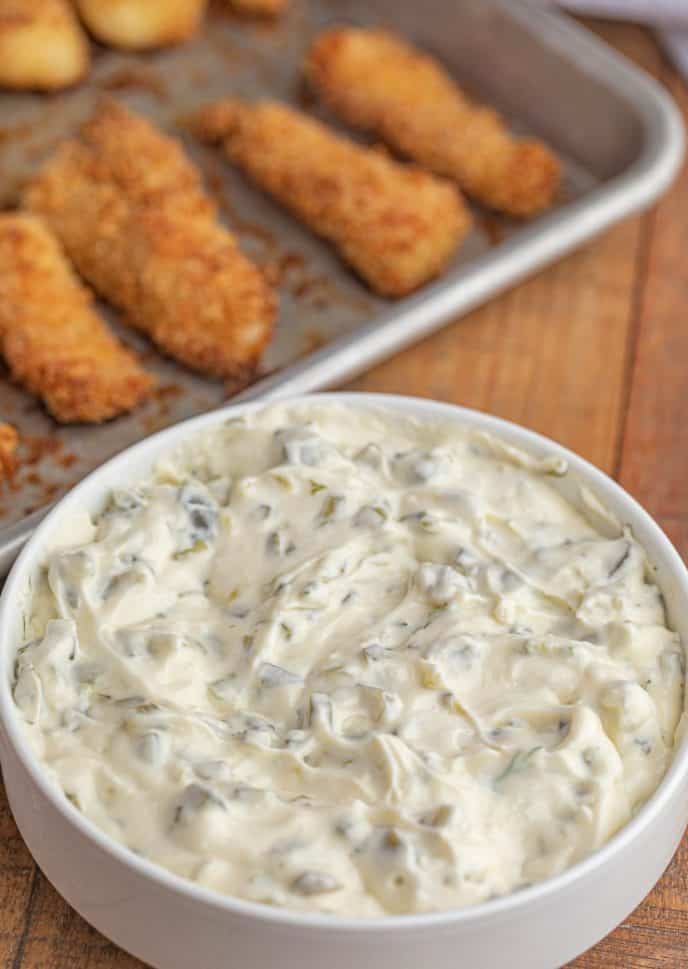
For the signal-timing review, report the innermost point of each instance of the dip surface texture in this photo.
(340, 660)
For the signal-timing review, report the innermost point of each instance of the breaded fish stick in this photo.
(141, 24)
(42, 45)
(129, 208)
(375, 81)
(395, 224)
(8, 445)
(53, 340)
(259, 8)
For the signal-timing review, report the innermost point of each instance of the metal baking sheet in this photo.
(617, 132)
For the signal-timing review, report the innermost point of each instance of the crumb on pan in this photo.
(141, 24)
(8, 445)
(51, 337)
(42, 45)
(130, 209)
(396, 225)
(258, 8)
(376, 81)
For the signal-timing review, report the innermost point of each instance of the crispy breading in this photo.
(141, 24)
(8, 445)
(394, 224)
(42, 45)
(51, 336)
(259, 8)
(375, 81)
(130, 209)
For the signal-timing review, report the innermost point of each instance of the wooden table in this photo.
(594, 353)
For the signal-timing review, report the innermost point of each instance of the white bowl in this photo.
(172, 923)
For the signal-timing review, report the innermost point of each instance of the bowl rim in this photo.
(511, 904)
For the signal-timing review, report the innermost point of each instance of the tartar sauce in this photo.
(346, 661)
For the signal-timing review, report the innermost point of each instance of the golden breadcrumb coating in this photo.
(53, 340)
(130, 210)
(375, 81)
(8, 445)
(42, 45)
(259, 8)
(395, 224)
(141, 24)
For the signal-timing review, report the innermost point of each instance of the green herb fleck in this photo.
(198, 546)
(283, 482)
(330, 506)
(519, 762)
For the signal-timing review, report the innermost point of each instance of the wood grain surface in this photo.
(594, 353)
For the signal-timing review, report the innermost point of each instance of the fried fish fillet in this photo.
(42, 45)
(396, 225)
(259, 8)
(130, 209)
(375, 81)
(53, 340)
(8, 445)
(141, 24)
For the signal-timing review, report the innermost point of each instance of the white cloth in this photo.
(668, 17)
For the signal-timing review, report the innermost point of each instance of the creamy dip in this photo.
(346, 661)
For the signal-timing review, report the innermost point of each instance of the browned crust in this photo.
(42, 45)
(376, 81)
(142, 24)
(53, 340)
(395, 224)
(8, 445)
(129, 208)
